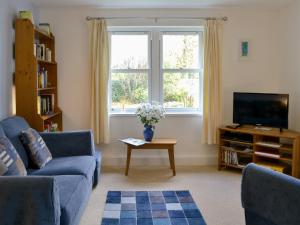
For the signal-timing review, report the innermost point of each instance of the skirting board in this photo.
(160, 161)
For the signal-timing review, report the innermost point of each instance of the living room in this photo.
(257, 53)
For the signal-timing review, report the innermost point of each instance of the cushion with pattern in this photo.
(38, 150)
(10, 161)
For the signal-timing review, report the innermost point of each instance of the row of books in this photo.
(45, 104)
(231, 158)
(41, 52)
(43, 78)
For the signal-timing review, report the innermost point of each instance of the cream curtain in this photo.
(212, 111)
(99, 69)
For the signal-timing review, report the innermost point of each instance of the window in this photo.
(156, 64)
(129, 70)
(181, 70)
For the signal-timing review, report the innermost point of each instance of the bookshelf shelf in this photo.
(41, 34)
(233, 166)
(46, 62)
(35, 79)
(51, 115)
(273, 149)
(47, 89)
(237, 151)
(271, 156)
(239, 142)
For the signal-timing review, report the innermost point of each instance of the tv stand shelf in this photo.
(276, 149)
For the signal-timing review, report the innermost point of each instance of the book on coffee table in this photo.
(134, 141)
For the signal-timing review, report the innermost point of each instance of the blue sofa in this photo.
(56, 194)
(269, 197)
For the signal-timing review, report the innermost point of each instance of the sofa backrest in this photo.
(2, 134)
(13, 126)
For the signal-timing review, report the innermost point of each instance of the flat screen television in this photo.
(270, 110)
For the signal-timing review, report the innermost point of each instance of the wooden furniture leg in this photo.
(172, 160)
(128, 159)
(169, 152)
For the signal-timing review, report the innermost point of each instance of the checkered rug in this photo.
(151, 208)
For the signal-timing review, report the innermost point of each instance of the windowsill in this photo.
(183, 114)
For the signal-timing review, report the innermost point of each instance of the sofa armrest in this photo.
(270, 195)
(64, 144)
(29, 200)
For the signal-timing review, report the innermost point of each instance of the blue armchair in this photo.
(56, 194)
(269, 197)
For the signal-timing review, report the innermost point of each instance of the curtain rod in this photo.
(157, 18)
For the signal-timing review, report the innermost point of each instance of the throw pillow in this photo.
(10, 161)
(38, 150)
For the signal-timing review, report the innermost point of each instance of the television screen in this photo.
(269, 110)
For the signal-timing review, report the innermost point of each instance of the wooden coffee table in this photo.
(167, 144)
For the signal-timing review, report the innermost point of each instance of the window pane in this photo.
(129, 51)
(128, 90)
(181, 51)
(181, 90)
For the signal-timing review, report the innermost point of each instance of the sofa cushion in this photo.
(73, 165)
(13, 127)
(74, 191)
(38, 150)
(2, 134)
(10, 162)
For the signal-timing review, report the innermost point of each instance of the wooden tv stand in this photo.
(275, 148)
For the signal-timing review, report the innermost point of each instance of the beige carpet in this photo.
(216, 193)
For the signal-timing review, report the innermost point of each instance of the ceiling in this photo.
(264, 4)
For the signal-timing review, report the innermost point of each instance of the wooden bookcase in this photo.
(270, 148)
(27, 67)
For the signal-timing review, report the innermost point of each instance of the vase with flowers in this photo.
(149, 115)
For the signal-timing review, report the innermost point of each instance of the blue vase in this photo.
(148, 132)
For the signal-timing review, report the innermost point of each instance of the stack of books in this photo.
(43, 78)
(45, 104)
(231, 158)
(42, 52)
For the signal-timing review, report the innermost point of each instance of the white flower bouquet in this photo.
(150, 114)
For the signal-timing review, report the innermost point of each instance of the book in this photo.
(134, 141)
(45, 27)
(41, 51)
(268, 144)
(48, 55)
(25, 14)
(278, 168)
(270, 155)
(43, 78)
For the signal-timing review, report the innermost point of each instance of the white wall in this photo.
(290, 48)
(260, 74)
(8, 12)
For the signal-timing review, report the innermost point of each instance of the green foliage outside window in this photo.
(181, 90)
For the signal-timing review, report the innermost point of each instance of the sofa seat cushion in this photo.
(73, 165)
(74, 191)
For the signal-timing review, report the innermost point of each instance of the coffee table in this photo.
(167, 144)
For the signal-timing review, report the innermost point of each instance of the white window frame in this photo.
(182, 70)
(130, 70)
(155, 59)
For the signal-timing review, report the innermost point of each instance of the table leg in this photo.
(172, 159)
(169, 152)
(128, 159)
